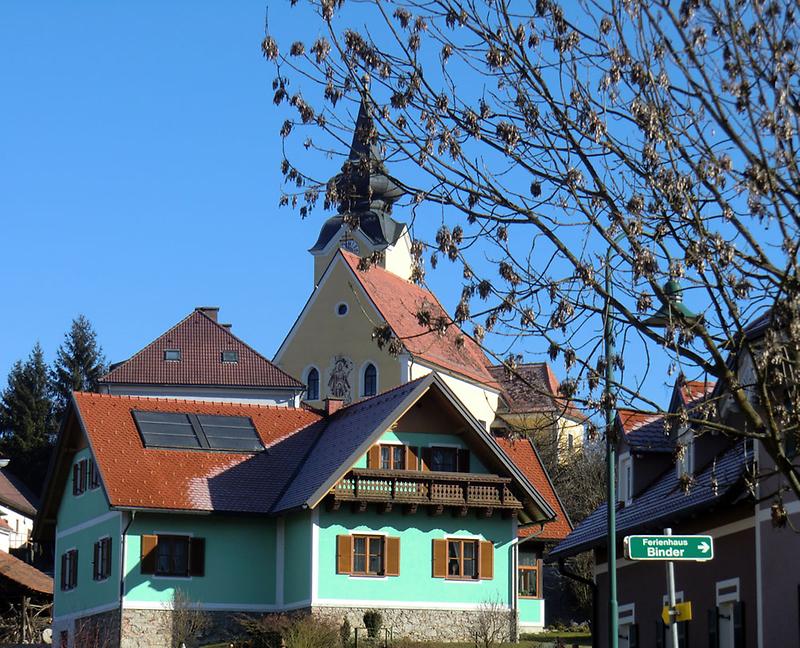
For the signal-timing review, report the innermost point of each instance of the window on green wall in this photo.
(69, 570)
(393, 457)
(101, 568)
(528, 581)
(462, 559)
(172, 555)
(368, 555)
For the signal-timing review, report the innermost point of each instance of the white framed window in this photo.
(369, 380)
(312, 382)
(728, 591)
(625, 478)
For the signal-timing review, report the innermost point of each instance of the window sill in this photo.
(169, 577)
(370, 577)
(531, 598)
(461, 579)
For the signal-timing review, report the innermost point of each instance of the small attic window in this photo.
(172, 355)
(230, 356)
(341, 309)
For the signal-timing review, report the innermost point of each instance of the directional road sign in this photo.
(681, 612)
(669, 547)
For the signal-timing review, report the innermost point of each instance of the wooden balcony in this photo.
(411, 488)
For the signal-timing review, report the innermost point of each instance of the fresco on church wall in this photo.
(340, 384)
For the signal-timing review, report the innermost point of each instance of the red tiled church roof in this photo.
(521, 452)
(532, 388)
(174, 479)
(201, 341)
(398, 301)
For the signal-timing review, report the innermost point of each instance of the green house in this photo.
(402, 503)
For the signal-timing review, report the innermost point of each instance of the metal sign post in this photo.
(671, 593)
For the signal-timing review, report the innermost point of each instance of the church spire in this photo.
(363, 184)
(364, 194)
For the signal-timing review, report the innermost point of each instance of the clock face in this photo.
(350, 245)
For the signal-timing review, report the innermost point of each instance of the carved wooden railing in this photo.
(472, 490)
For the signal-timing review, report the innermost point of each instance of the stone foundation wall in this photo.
(93, 631)
(158, 628)
(441, 625)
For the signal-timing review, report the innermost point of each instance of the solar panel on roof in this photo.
(166, 430)
(230, 433)
(176, 430)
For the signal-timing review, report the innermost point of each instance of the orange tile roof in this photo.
(180, 479)
(398, 302)
(24, 574)
(201, 341)
(634, 419)
(521, 452)
(694, 390)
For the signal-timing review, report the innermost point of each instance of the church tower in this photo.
(365, 194)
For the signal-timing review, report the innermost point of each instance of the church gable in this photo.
(333, 337)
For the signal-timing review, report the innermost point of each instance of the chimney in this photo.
(333, 405)
(210, 311)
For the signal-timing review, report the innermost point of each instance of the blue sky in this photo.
(139, 174)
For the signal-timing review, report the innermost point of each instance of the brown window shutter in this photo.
(74, 568)
(412, 462)
(63, 571)
(374, 457)
(426, 458)
(149, 554)
(107, 558)
(197, 557)
(486, 568)
(439, 558)
(96, 561)
(344, 554)
(392, 556)
(463, 460)
(82, 476)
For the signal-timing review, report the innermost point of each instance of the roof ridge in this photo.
(241, 341)
(174, 399)
(146, 346)
(371, 400)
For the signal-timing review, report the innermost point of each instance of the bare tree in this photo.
(492, 623)
(637, 139)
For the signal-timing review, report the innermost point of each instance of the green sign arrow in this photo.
(673, 547)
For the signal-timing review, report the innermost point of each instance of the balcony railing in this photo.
(471, 490)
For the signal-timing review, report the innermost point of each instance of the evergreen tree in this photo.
(27, 424)
(79, 364)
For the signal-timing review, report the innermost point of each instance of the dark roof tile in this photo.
(664, 500)
(201, 341)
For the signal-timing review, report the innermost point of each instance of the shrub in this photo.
(188, 623)
(308, 632)
(265, 631)
(373, 622)
(491, 623)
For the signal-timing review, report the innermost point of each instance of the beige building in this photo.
(367, 327)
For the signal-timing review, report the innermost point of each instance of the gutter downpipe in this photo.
(123, 546)
(562, 569)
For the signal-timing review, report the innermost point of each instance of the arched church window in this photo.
(370, 380)
(312, 384)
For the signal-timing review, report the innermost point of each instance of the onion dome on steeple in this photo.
(364, 191)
